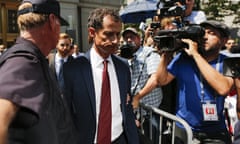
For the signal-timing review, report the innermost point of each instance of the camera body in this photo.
(171, 11)
(170, 40)
(127, 50)
(170, 8)
(155, 25)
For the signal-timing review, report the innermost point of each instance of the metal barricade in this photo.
(172, 118)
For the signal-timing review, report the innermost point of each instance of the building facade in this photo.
(74, 11)
(8, 21)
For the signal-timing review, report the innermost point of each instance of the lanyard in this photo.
(141, 71)
(201, 79)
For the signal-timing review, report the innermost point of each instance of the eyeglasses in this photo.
(62, 45)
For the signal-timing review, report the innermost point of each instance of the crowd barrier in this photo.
(172, 119)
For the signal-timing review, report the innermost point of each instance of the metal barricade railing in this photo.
(173, 118)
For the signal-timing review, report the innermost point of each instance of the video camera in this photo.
(155, 25)
(170, 40)
(127, 50)
(166, 8)
(170, 8)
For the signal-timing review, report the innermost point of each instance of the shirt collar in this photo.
(140, 49)
(59, 58)
(96, 59)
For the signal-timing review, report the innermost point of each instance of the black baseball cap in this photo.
(44, 7)
(130, 29)
(224, 30)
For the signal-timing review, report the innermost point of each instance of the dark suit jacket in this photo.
(51, 61)
(81, 97)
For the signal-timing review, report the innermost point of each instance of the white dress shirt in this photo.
(97, 68)
(58, 63)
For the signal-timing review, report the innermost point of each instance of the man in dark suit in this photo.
(61, 56)
(84, 85)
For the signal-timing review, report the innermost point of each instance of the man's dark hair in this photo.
(95, 18)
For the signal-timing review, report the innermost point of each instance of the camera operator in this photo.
(166, 23)
(149, 31)
(148, 39)
(189, 15)
(201, 86)
(144, 85)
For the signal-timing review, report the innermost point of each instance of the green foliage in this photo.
(217, 9)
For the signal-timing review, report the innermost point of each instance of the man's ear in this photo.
(53, 21)
(91, 31)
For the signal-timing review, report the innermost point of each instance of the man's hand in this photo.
(128, 99)
(193, 47)
(135, 102)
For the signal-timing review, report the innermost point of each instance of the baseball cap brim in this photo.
(217, 25)
(130, 29)
(44, 7)
(63, 22)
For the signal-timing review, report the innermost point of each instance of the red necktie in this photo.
(105, 116)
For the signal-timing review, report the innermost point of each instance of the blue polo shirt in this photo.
(189, 97)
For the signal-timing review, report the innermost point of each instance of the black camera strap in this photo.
(141, 71)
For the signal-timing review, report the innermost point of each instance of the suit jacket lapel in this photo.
(121, 82)
(120, 77)
(88, 77)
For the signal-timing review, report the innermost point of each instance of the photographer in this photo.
(166, 23)
(144, 85)
(201, 87)
(193, 16)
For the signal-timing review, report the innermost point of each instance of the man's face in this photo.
(106, 40)
(189, 3)
(130, 37)
(189, 7)
(213, 41)
(75, 49)
(64, 47)
(229, 44)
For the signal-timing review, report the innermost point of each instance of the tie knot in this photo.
(105, 62)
